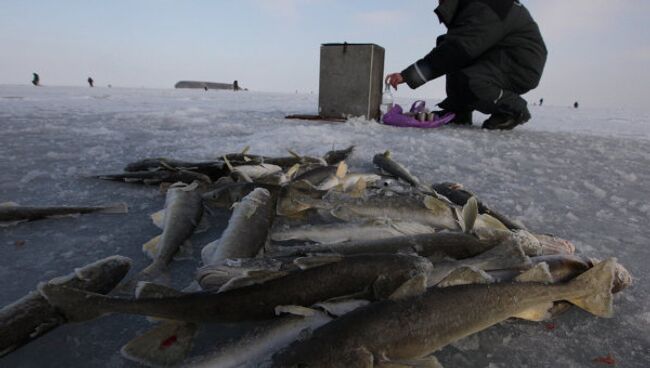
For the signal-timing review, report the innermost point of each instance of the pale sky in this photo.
(599, 50)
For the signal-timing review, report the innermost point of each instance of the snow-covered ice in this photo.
(580, 174)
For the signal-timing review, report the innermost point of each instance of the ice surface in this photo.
(580, 174)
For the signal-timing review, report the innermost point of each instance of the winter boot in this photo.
(501, 121)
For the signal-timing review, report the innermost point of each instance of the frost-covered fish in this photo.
(316, 175)
(334, 157)
(284, 162)
(32, 316)
(255, 172)
(385, 162)
(381, 274)
(12, 213)
(342, 232)
(298, 197)
(210, 168)
(244, 237)
(406, 330)
(158, 176)
(432, 212)
(182, 214)
(247, 231)
(455, 245)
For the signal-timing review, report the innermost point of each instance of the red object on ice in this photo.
(550, 326)
(609, 360)
(169, 342)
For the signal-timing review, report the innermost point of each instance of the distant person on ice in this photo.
(575, 105)
(90, 82)
(36, 80)
(235, 86)
(493, 53)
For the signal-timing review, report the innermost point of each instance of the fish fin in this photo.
(165, 345)
(245, 150)
(412, 228)
(305, 263)
(437, 206)
(158, 219)
(470, 213)
(466, 276)
(341, 170)
(72, 303)
(252, 278)
(339, 308)
(387, 154)
(295, 310)
(413, 287)
(503, 256)
(190, 187)
(293, 170)
(428, 362)
(151, 248)
(358, 189)
(155, 272)
(539, 273)
(537, 313)
(145, 289)
(598, 282)
(228, 164)
(294, 154)
(185, 251)
(485, 220)
(115, 208)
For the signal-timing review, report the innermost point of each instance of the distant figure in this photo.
(90, 82)
(575, 105)
(541, 101)
(235, 86)
(36, 80)
(205, 88)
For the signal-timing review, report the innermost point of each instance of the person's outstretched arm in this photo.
(476, 29)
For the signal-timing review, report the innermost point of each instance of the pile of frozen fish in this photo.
(346, 269)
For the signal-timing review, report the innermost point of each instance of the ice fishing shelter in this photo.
(351, 78)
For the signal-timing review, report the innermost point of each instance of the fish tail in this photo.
(155, 272)
(165, 345)
(115, 208)
(75, 305)
(597, 284)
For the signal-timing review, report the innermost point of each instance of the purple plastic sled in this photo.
(396, 117)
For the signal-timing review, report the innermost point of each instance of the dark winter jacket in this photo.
(494, 31)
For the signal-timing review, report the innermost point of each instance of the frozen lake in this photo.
(579, 174)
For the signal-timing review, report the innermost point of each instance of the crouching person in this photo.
(493, 53)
